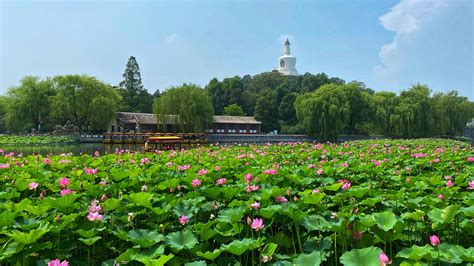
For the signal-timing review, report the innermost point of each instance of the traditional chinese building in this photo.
(127, 122)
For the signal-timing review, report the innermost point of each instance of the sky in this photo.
(389, 45)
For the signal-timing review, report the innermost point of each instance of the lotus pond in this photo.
(357, 203)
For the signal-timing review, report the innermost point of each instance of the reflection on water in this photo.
(84, 148)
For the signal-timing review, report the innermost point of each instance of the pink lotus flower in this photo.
(103, 183)
(255, 205)
(57, 262)
(257, 224)
(248, 177)
(221, 181)
(96, 154)
(470, 159)
(434, 240)
(251, 188)
(408, 180)
(281, 199)
(183, 219)
(104, 197)
(441, 196)
(315, 191)
(384, 259)
(471, 184)
(32, 185)
(450, 183)
(47, 161)
(64, 182)
(144, 160)
(196, 182)
(346, 186)
(344, 164)
(319, 172)
(4, 166)
(65, 191)
(311, 166)
(217, 168)
(184, 167)
(94, 216)
(270, 172)
(202, 172)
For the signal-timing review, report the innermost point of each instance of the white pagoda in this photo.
(286, 62)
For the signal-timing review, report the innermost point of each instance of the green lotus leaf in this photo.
(229, 229)
(468, 211)
(87, 233)
(238, 247)
(443, 216)
(269, 211)
(141, 199)
(111, 204)
(417, 253)
(451, 253)
(118, 174)
(210, 255)
(182, 239)
(315, 222)
(153, 262)
(468, 255)
(412, 263)
(415, 216)
(196, 263)
(10, 249)
(269, 249)
(365, 256)
(314, 258)
(63, 202)
(313, 199)
(90, 241)
(32, 235)
(21, 206)
(37, 210)
(231, 215)
(334, 187)
(204, 230)
(169, 183)
(385, 220)
(145, 237)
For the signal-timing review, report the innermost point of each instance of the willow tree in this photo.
(84, 101)
(325, 112)
(28, 105)
(189, 107)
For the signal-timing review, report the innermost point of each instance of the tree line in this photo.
(313, 104)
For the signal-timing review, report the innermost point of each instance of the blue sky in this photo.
(388, 45)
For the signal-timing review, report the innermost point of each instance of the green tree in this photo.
(266, 110)
(135, 98)
(190, 105)
(27, 106)
(325, 112)
(287, 109)
(362, 109)
(233, 110)
(84, 101)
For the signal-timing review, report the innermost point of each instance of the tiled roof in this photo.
(145, 118)
(227, 119)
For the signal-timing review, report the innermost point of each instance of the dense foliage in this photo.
(39, 105)
(288, 204)
(187, 108)
(349, 108)
(7, 139)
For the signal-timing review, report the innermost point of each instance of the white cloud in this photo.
(172, 38)
(282, 38)
(405, 19)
